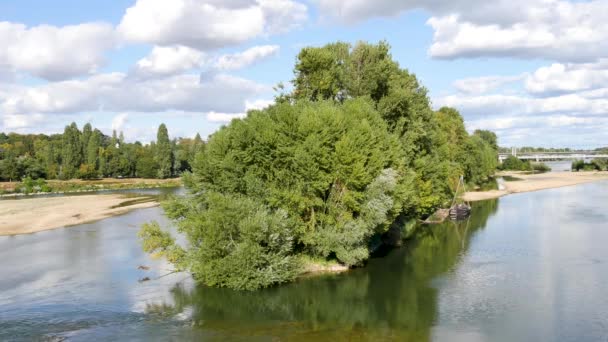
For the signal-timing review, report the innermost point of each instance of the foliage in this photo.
(164, 157)
(87, 171)
(61, 155)
(540, 167)
(513, 163)
(324, 172)
(29, 186)
(599, 164)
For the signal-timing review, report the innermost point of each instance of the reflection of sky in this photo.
(91, 267)
(538, 272)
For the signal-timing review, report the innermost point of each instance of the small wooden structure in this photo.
(459, 211)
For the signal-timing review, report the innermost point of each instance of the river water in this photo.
(526, 267)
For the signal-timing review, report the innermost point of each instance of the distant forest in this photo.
(89, 154)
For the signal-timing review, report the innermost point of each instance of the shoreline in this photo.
(536, 182)
(32, 215)
(10, 189)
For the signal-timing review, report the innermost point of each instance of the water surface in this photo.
(526, 267)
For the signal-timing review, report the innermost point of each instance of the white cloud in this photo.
(249, 105)
(163, 61)
(499, 11)
(517, 105)
(246, 58)
(116, 92)
(206, 24)
(224, 117)
(480, 85)
(567, 78)
(552, 29)
(119, 121)
(258, 104)
(55, 53)
(13, 122)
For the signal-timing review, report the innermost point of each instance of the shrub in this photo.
(87, 171)
(30, 186)
(541, 167)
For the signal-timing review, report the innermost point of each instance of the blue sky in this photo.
(534, 71)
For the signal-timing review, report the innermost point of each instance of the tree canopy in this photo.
(321, 173)
(91, 154)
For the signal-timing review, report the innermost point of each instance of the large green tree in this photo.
(164, 154)
(71, 156)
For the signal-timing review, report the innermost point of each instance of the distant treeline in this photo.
(530, 149)
(90, 154)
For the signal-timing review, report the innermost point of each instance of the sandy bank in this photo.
(535, 182)
(37, 214)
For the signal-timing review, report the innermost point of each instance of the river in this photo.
(526, 267)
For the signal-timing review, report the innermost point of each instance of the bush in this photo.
(513, 163)
(541, 167)
(31, 186)
(594, 165)
(87, 171)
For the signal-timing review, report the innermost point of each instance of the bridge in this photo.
(547, 156)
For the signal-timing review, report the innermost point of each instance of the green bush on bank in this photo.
(598, 164)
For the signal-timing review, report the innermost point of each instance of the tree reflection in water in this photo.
(393, 297)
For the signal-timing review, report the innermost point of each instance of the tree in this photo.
(489, 137)
(71, 156)
(321, 175)
(164, 154)
(87, 132)
(93, 146)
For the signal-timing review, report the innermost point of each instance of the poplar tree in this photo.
(164, 155)
(71, 156)
(93, 146)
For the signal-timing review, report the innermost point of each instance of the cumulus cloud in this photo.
(116, 92)
(246, 58)
(567, 78)
(55, 53)
(553, 29)
(499, 11)
(496, 105)
(208, 24)
(13, 122)
(480, 85)
(558, 30)
(171, 60)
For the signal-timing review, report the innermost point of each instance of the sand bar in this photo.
(32, 215)
(535, 182)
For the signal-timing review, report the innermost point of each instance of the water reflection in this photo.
(393, 297)
(539, 271)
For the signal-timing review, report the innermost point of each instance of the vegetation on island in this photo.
(597, 164)
(89, 154)
(326, 170)
(512, 163)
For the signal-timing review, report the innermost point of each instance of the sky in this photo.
(533, 71)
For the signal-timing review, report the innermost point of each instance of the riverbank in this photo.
(518, 182)
(14, 189)
(38, 214)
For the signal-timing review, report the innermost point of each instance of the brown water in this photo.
(526, 267)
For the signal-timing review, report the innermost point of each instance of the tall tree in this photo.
(87, 131)
(93, 146)
(164, 154)
(71, 156)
